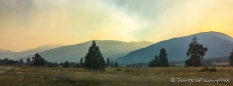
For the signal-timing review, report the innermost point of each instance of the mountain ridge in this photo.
(109, 48)
(26, 53)
(179, 46)
(5, 51)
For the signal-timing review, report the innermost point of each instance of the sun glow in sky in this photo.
(26, 24)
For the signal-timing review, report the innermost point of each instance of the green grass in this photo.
(45, 76)
(212, 69)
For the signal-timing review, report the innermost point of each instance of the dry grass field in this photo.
(45, 76)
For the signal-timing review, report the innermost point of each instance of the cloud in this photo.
(169, 18)
(29, 23)
(67, 22)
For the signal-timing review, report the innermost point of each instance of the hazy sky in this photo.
(26, 24)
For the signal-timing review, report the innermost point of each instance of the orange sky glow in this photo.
(26, 24)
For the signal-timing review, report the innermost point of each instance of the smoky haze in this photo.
(26, 24)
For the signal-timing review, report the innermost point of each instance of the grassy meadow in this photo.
(47, 76)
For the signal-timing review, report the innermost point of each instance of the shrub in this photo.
(118, 69)
(213, 69)
(128, 70)
(204, 69)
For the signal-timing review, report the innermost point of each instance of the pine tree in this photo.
(108, 62)
(197, 51)
(42, 62)
(231, 58)
(152, 63)
(112, 64)
(81, 62)
(156, 61)
(116, 64)
(55, 64)
(21, 60)
(66, 64)
(38, 60)
(94, 59)
(163, 58)
(28, 61)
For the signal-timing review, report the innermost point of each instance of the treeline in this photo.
(36, 61)
(161, 61)
(109, 64)
(196, 52)
(93, 60)
(11, 62)
(112, 64)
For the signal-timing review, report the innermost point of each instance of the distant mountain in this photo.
(42, 48)
(5, 51)
(30, 52)
(219, 45)
(109, 48)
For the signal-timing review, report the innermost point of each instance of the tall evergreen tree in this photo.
(152, 63)
(28, 62)
(116, 64)
(94, 59)
(197, 51)
(55, 64)
(231, 58)
(163, 58)
(112, 64)
(108, 62)
(81, 62)
(66, 64)
(42, 62)
(21, 60)
(156, 61)
(38, 60)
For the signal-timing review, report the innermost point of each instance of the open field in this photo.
(45, 76)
